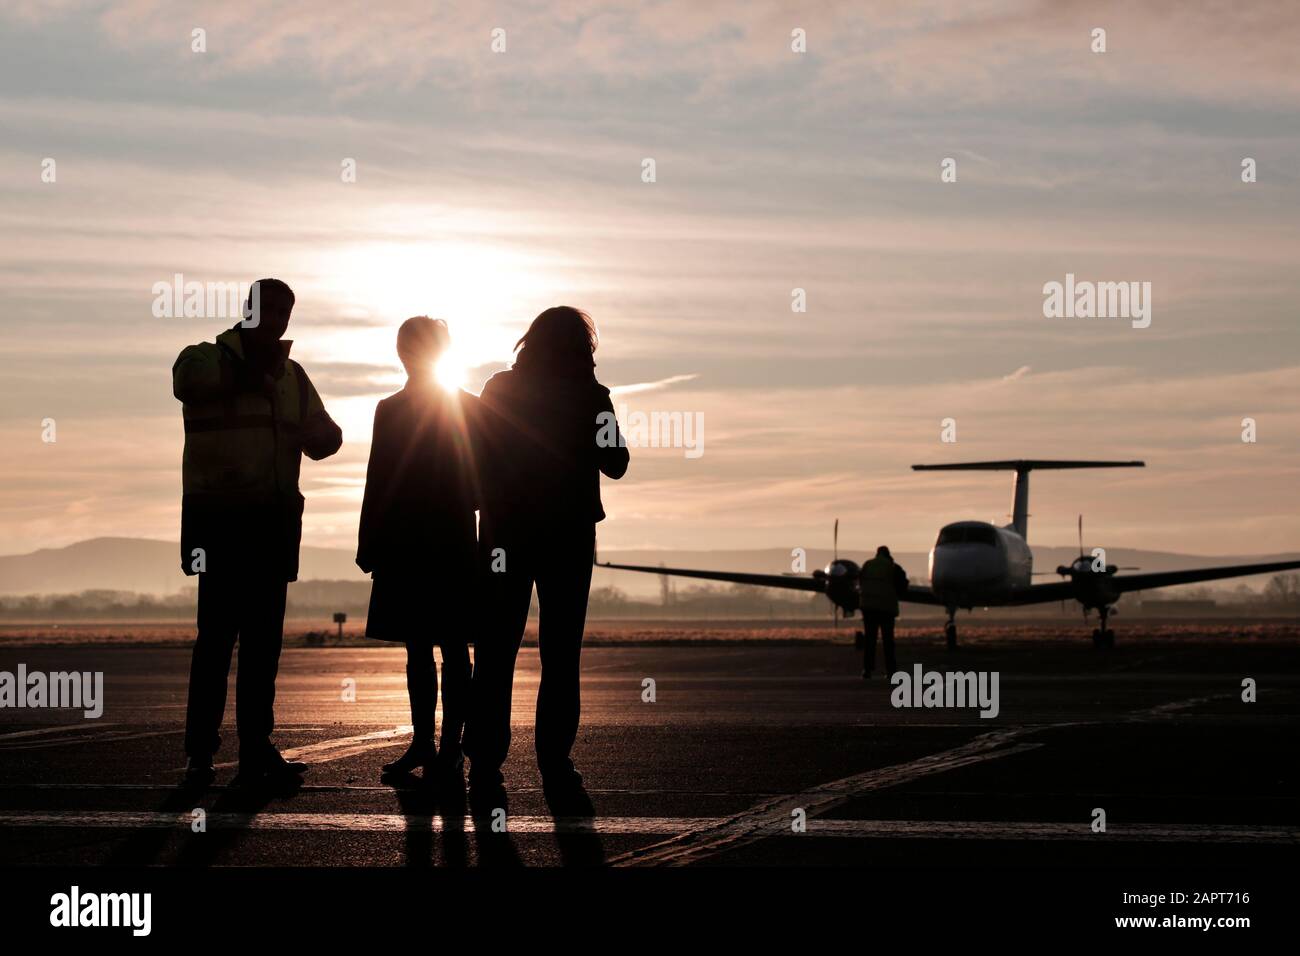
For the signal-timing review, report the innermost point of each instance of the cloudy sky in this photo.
(490, 185)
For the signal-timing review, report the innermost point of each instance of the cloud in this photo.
(652, 386)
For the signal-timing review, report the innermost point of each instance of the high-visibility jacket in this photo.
(241, 509)
(880, 583)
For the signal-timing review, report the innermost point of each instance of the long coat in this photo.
(417, 536)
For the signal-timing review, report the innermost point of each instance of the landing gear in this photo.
(1103, 637)
(950, 630)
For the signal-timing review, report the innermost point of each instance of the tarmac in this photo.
(752, 754)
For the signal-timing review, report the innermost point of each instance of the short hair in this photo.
(882, 551)
(421, 340)
(269, 291)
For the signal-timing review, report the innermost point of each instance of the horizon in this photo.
(866, 549)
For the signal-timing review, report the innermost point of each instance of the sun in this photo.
(484, 291)
(452, 370)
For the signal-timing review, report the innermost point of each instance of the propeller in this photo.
(835, 550)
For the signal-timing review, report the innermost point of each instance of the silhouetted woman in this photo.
(418, 540)
(549, 433)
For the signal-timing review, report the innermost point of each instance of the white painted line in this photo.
(756, 823)
(96, 735)
(752, 824)
(999, 830)
(341, 747)
(654, 826)
(346, 822)
(61, 729)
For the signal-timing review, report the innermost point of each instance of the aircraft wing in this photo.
(1123, 584)
(1163, 579)
(915, 594)
(919, 595)
(791, 582)
(1043, 593)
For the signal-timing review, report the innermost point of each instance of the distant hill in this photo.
(153, 567)
(134, 564)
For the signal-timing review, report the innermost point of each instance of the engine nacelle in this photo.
(840, 578)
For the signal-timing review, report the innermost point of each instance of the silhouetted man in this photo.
(250, 413)
(881, 583)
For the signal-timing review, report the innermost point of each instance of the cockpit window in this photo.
(969, 534)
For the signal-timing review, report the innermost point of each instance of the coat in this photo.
(545, 442)
(417, 534)
(881, 583)
(246, 430)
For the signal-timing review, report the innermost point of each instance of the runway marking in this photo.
(654, 826)
(762, 818)
(61, 729)
(384, 788)
(77, 737)
(342, 747)
(757, 822)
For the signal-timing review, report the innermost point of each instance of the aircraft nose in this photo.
(954, 567)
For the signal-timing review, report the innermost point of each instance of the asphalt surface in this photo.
(741, 745)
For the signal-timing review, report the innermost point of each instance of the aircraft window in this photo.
(969, 534)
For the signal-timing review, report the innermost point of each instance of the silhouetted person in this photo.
(250, 414)
(881, 582)
(549, 433)
(417, 538)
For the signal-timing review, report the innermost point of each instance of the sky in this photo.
(493, 183)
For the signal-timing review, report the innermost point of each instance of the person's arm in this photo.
(320, 436)
(900, 580)
(371, 499)
(200, 374)
(611, 451)
(473, 445)
(205, 373)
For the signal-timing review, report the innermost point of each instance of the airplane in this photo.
(979, 564)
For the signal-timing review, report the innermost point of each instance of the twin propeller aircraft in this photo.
(978, 564)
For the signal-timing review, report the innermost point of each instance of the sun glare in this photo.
(451, 371)
(484, 292)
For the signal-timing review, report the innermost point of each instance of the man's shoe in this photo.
(561, 779)
(564, 793)
(276, 765)
(421, 753)
(199, 772)
(268, 768)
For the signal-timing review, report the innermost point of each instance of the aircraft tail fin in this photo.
(1022, 467)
